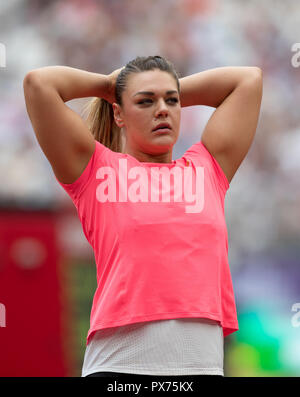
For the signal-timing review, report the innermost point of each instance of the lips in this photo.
(162, 126)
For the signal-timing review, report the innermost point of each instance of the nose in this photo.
(162, 109)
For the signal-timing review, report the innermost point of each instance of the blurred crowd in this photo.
(262, 205)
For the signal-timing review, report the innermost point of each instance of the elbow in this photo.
(253, 78)
(255, 72)
(250, 76)
(32, 80)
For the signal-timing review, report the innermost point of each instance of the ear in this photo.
(118, 115)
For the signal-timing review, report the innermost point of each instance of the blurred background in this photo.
(47, 268)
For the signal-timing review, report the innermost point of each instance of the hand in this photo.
(112, 78)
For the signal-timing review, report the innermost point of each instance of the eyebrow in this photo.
(152, 93)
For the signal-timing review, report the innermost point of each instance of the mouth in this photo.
(162, 128)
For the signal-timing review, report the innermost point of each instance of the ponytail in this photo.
(102, 125)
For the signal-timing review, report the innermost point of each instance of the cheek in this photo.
(140, 122)
(143, 121)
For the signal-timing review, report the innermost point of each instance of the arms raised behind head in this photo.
(236, 92)
(62, 134)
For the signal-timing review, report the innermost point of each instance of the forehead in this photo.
(156, 81)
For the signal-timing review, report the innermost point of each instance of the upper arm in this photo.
(231, 128)
(62, 134)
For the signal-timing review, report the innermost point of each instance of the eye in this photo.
(174, 100)
(144, 101)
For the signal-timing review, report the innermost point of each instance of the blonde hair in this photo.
(101, 123)
(100, 117)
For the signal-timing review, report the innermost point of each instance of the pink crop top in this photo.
(159, 237)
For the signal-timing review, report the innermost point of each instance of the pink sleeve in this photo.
(197, 150)
(76, 188)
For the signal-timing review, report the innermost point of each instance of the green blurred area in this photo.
(265, 346)
(83, 282)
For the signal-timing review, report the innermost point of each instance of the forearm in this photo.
(211, 87)
(70, 83)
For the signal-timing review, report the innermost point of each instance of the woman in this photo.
(164, 300)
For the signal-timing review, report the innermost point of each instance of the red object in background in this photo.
(34, 336)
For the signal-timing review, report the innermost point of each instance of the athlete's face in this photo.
(142, 112)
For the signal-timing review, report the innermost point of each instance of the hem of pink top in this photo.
(228, 327)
